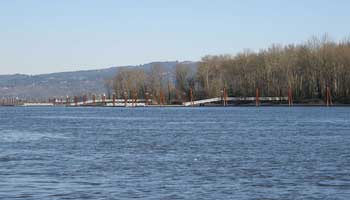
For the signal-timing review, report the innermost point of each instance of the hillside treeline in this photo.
(305, 68)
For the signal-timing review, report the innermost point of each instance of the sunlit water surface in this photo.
(175, 153)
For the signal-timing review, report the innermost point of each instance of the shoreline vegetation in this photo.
(306, 69)
(314, 73)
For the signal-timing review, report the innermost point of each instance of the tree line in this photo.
(306, 69)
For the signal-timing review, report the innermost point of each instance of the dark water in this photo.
(175, 153)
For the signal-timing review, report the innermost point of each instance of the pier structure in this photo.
(131, 99)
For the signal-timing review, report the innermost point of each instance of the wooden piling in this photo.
(161, 97)
(67, 101)
(191, 97)
(257, 103)
(76, 100)
(104, 99)
(94, 100)
(225, 96)
(328, 97)
(126, 98)
(147, 98)
(290, 97)
(134, 99)
(84, 99)
(183, 97)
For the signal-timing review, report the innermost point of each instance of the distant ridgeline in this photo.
(60, 85)
(305, 70)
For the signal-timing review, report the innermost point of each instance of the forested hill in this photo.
(65, 83)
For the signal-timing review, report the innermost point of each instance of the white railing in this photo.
(213, 100)
(109, 102)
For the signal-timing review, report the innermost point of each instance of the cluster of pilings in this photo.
(102, 100)
(224, 97)
(10, 102)
(131, 99)
(328, 99)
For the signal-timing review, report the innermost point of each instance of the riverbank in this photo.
(182, 106)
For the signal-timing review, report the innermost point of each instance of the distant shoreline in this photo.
(181, 106)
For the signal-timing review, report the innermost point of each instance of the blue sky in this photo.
(63, 35)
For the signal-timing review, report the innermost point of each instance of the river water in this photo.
(175, 153)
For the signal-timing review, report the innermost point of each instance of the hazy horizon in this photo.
(87, 68)
(45, 37)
